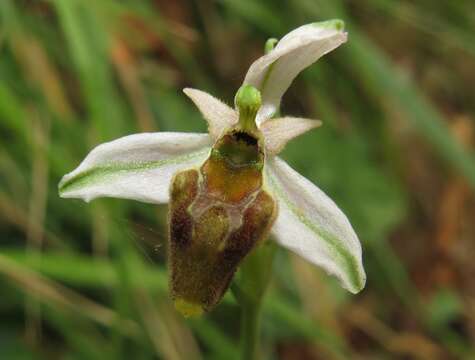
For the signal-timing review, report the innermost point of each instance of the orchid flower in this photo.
(228, 189)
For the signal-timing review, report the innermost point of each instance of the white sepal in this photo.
(218, 115)
(273, 73)
(310, 224)
(138, 167)
(279, 131)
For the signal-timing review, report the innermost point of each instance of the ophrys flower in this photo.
(228, 189)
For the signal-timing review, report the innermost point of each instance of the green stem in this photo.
(250, 334)
(249, 290)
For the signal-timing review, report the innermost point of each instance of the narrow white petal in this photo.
(311, 224)
(138, 167)
(218, 115)
(273, 73)
(279, 131)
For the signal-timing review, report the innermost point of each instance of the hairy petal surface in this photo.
(310, 224)
(138, 167)
(273, 73)
(218, 115)
(279, 131)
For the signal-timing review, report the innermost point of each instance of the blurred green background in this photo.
(88, 281)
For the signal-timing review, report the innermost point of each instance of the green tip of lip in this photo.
(188, 309)
(336, 24)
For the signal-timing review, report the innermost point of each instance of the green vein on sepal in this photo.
(344, 258)
(336, 24)
(111, 170)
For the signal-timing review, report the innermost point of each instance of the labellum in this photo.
(219, 213)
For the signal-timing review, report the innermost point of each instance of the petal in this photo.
(138, 167)
(218, 115)
(278, 132)
(273, 73)
(311, 224)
